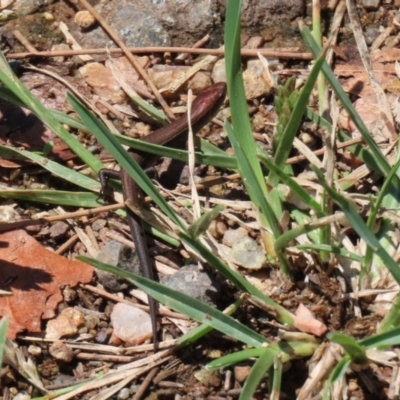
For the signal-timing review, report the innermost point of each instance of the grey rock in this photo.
(26, 7)
(263, 13)
(247, 253)
(119, 255)
(195, 283)
(59, 230)
(370, 35)
(371, 4)
(123, 394)
(181, 23)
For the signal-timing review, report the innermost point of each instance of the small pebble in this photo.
(195, 283)
(91, 321)
(123, 394)
(131, 324)
(22, 396)
(48, 16)
(231, 236)
(69, 294)
(247, 253)
(101, 337)
(34, 350)
(208, 378)
(61, 352)
(241, 372)
(66, 324)
(84, 19)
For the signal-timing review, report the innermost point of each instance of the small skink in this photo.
(204, 108)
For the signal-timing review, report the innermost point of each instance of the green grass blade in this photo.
(364, 154)
(280, 313)
(353, 348)
(211, 157)
(202, 330)
(235, 85)
(360, 227)
(285, 144)
(127, 163)
(260, 367)
(377, 204)
(187, 305)
(381, 162)
(3, 337)
(7, 94)
(20, 91)
(234, 358)
(149, 109)
(291, 183)
(287, 237)
(331, 249)
(57, 197)
(200, 226)
(337, 373)
(385, 339)
(56, 169)
(250, 177)
(392, 318)
(275, 378)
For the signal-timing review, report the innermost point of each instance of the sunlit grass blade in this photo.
(251, 180)
(3, 337)
(353, 348)
(56, 169)
(303, 218)
(279, 312)
(275, 379)
(202, 330)
(331, 249)
(187, 305)
(377, 205)
(149, 109)
(243, 133)
(258, 371)
(385, 339)
(20, 91)
(337, 373)
(285, 144)
(235, 85)
(57, 197)
(290, 182)
(360, 227)
(234, 358)
(307, 228)
(390, 199)
(201, 225)
(112, 145)
(364, 154)
(256, 192)
(61, 117)
(207, 156)
(381, 162)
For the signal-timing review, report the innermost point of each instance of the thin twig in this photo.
(271, 53)
(145, 384)
(199, 44)
(24, 41)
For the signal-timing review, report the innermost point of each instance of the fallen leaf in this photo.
(306, 322)
(34, 275)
